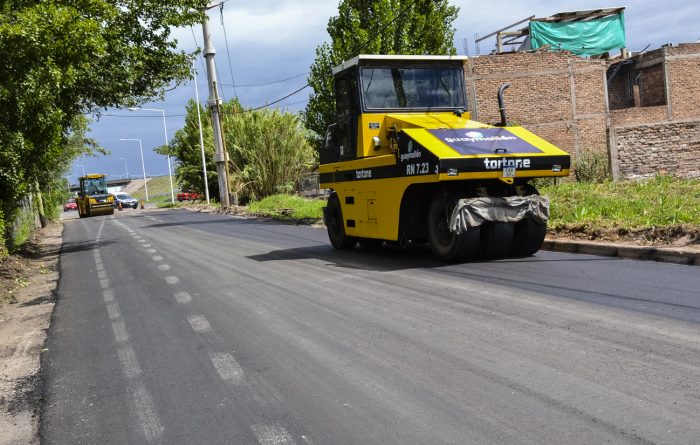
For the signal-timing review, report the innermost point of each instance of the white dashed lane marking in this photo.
(157, 258)
(199, 324)
(172, 280)
(119, 330)
(146, 411)
(183, 297)
(129, 362)
(113, 311)
(272, 435)
(108, 295)
(152, 251)
(163, 267)
(228, 368)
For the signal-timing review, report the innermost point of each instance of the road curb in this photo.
(676, 255)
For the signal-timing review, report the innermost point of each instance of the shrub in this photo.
(591, 166)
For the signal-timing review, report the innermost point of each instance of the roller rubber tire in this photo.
(335, 226)
(496, 239)
(529, 237)
(446, 245)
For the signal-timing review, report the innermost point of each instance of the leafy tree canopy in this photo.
(376, 27)
(65, 58)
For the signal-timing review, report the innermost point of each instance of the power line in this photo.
(201, 59)
(218, 80)
(139, 116)
(279, 100)
(250, 85)
(228, 53)
(357, 49)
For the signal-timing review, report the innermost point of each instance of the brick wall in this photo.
(643, 115)
(559, 97)
(562, 98)
(683, 67)
(672, 147)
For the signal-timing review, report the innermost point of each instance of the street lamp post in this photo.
(143, 166)
(165, 132)
(201, 141)
(126, 167)
(82, 167)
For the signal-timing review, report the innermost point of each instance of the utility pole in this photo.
(213, 103)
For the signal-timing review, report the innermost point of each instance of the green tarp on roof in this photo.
(584, 38)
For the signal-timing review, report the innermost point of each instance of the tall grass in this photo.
(591, 166)
(269, 152)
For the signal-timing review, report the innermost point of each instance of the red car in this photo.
(70, 205)
(188, 196)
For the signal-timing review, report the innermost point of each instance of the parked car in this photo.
(188, 196)
(126, 200)
(70, 205)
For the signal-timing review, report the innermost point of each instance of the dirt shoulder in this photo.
(28, 283)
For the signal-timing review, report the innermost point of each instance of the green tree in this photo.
(375, 27)
(65, 58)
(185, 148)
(268, 151)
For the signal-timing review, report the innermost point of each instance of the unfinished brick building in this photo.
(556, 95)
(643, 111)
(655, 112)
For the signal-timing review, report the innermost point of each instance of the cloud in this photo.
(275, 39)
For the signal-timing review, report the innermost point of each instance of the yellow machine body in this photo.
(383, 165)
(93, 198)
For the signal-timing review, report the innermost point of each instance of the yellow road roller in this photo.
(406, 164)
(94, 199)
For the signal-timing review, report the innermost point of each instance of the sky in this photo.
(272, 40)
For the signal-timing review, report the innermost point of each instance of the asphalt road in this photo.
(177, 327)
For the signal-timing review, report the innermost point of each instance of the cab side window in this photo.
(346, 106)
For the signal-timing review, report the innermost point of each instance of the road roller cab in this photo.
(406, 163)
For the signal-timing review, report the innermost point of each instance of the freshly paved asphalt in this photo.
(178, 327)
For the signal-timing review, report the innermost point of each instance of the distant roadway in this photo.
(175, 327)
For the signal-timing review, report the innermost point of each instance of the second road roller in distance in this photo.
(406, 163)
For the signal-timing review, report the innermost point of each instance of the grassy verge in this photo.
(658, 202)
(288, 207)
